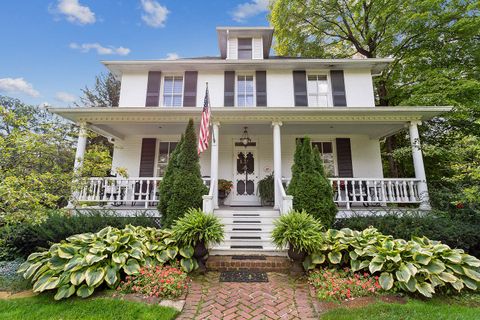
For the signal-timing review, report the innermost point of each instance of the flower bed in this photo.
(165, 282)
(338, 284)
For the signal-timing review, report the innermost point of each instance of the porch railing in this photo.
(286, 201)
(137, 191)
(374, 191)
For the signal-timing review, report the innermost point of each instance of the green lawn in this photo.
(44, 307)
(437, 309)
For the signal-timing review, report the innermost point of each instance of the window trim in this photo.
(334, 151)
(163, 89)
(254, 92)
(157, 153)
(329, 87)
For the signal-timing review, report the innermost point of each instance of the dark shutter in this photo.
(300, 88)
(261, 84)
(344, 158)
(147, 157)
(190, 89)
(338, 88)
(229, 92)
(153, 89)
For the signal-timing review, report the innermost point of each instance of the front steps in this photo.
(247, 231)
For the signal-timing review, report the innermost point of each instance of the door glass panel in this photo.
(240, 187)
(240, 163)
(250, 163)
(250, 187)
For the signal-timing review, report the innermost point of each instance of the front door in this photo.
(245, 177)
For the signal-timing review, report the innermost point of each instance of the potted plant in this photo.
(198, 229)
(224, 188)
(266, 189)
(300, 232)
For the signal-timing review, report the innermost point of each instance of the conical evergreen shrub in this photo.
(311, 190)
(185, 184)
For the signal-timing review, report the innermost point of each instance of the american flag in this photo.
(204, 134)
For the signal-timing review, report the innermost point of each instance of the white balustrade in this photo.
(286, 201)
(374, 191)
(115, 191)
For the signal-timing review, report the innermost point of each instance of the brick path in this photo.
(280, 298)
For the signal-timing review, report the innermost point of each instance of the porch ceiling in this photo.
(376, 122)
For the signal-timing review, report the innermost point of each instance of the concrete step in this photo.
(249, 262)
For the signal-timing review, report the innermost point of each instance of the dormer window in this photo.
(244, 48)
(172, 91)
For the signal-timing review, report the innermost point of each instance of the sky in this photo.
(50, 49)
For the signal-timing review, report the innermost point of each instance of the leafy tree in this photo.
(105, 93)
(311, 190)
(185, 179)
(96, 161)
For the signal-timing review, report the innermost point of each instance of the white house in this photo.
(272, 100)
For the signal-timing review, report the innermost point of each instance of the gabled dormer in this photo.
(245, 43)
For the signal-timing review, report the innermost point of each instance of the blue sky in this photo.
(53, 48)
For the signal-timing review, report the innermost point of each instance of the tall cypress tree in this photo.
(311, 190)
(186, 182)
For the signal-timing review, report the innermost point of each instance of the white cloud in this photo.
(172, 56)
(75, 12)
(65, 97)
(17, 85)
(249, 9)
(155, 14)
(86, 47)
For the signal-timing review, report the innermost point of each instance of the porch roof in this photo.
(377, 122)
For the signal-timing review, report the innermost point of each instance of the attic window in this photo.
(244, 48)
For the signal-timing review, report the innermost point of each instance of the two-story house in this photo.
(261, 105)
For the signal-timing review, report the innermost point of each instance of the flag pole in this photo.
(211, 115)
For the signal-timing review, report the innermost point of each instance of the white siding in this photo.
(257, 48)
(215, 81)
(366, 158)
(359, 88)
(232, 48)
(280, 88)
(133, 90)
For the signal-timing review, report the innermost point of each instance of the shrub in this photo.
(299, 230)
(184, 181)
(266, 189)
(309, 187)
(24, 239)
(197, 226)
(419, 265)
(162, 282)
(337, 284)
(458, 229)
(86, 261)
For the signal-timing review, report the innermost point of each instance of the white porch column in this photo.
(418, 165)
(81, 146)
(277, 161)
(214, 162)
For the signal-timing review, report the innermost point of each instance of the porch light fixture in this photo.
(245, 139)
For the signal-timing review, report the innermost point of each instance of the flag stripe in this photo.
(204, 133)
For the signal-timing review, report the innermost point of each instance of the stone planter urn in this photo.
(297, 256)
(201, 253)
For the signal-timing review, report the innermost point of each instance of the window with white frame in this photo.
(172, 91)
(245, 91)
(165, 150)
(317, 88)
(244, 48)
(326, 152)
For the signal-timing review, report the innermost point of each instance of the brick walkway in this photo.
(280, 298)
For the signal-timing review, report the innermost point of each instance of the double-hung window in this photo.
(317, 88)
(326, 152)
(172, 91)
(165, 150)
(244, 48)
(245, 91)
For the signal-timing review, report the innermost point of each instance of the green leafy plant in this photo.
(299, 230)
(309, 187)
(266, 189)
(338, 284)
(196, 226)
(161, 282)
(225, 186)
(83, 262)
(419, 265)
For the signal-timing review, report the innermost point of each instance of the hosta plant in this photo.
(83, 262)
(159, 281)
(419, 265)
